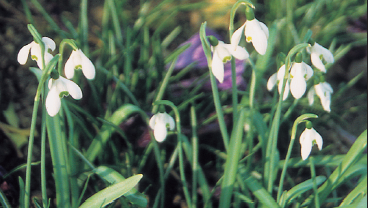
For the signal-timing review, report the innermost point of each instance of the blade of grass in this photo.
(232, 160)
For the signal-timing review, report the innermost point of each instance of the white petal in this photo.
(308, 71)
(170, 120)
(235, 38)
(306, 149)
(222, 52)
(310, 96)
(318, 138)
(87, 67)
(281, 72)
(324, 90)
(23, 54)
(271, 82)
(327, 87)
(286, 90)
(297, 69)
(326, 103)
(160, 132)
(327, 55)
(264, 28)
(49, 43)
(152, 121)
(36, 50)
(50, 83)
(317, 62)
(255, 34)
(48, 57)
(217, 68)
(306, 144)
(73, 89)
(70, 66)
(53, 102)
(298, 87)
(240, 52)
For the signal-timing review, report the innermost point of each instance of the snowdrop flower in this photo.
(35, 49)
(318, 53)
(58, 89)
(308, 138)
(78, 60)
(323, 91)
(254, 31)
(221, 54)
(160, 122)
(299, 73)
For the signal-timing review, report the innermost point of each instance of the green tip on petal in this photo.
(299, 58)
(249, 13)
(63, 94)
(213, 40)
(308, 125)
(226, 59)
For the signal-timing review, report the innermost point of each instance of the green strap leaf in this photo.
(111, 193)
(301, 188)
(113, 177)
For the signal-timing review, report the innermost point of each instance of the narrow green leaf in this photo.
(22, 192)
(113, 177)
(3, 200)
(301, 188)
(111, 193)
(259, 191)
(359, 189)
(116, 118)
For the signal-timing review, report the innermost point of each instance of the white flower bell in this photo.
(35, 49)
(308, 138)
(59, 88)
(254, 31)
(78, 60)
(160, 122)
(318, 53)
(323, 91)
(221, 54)
(300, 73)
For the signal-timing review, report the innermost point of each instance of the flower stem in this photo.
(30, 148)
(215, 93)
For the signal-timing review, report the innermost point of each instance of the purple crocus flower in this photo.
(196, 54)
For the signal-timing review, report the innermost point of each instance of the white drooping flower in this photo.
(319, 53)
(323, 91)
(221, 54)
(160, 122)
(255, 32)
(296, 83)
(78, 60)
(35, 49)
(299, 74)
(58, 89)
(308, 138)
